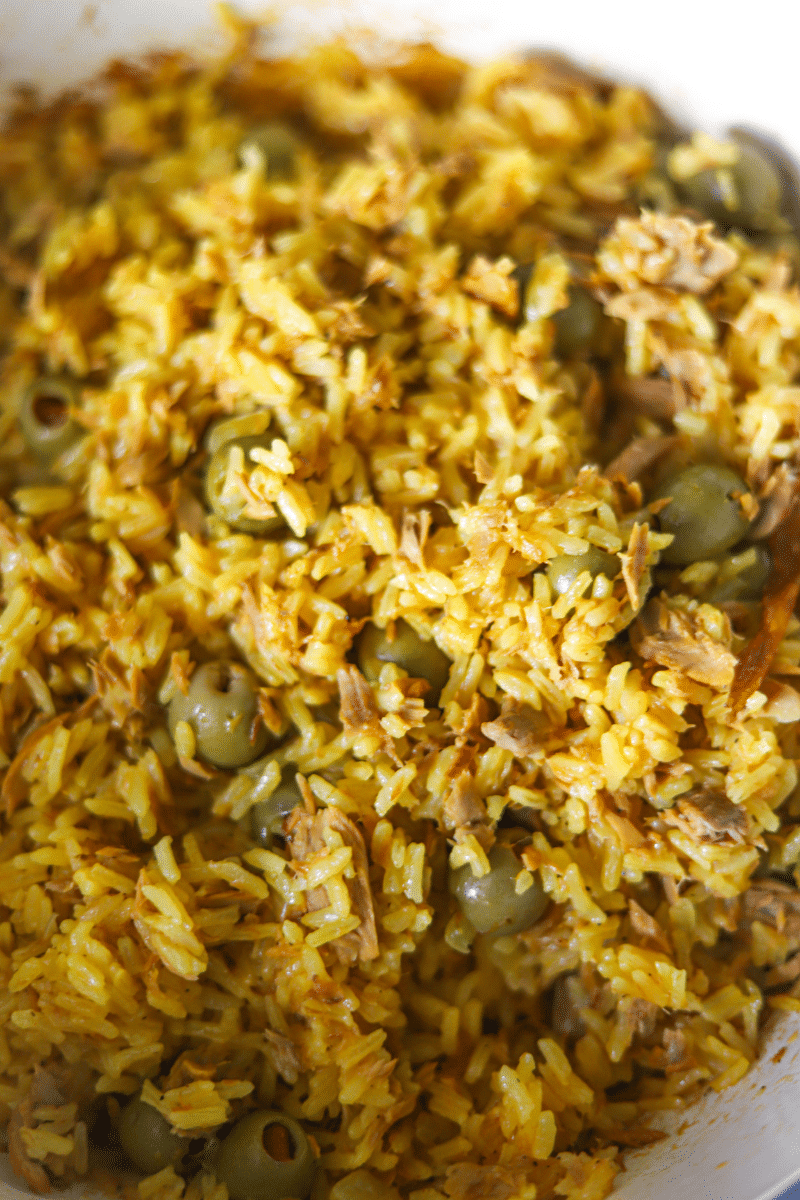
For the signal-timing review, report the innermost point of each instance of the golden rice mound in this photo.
(426, 454)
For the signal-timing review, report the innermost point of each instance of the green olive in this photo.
(231, 510)
(747, 194)
(148, 1139)
(522, 273)
(703, 515)
(44, 418)
(266, 1156)
(564, 569)
(421, 659)
(490, 903)
(266, 817)
(576, 325)
(278, 145)
(747, 583)
(656, 190)
(222, 708)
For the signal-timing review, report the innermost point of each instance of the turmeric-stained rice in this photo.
(367, 755)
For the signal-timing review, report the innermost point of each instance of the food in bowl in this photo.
(399, 555)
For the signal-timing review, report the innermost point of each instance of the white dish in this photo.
(708, 66)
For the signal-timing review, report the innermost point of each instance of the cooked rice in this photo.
(428, 455)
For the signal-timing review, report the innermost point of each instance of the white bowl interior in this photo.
(705, 64)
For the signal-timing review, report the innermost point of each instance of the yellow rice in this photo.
(428, 455)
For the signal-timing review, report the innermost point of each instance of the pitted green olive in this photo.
(44, 418)
(490, 902)
(266, 1156)
(231, 507)
(747, 194)
(266, 817)
(222, 709)
(421, 659)
(279, 146)
(564, 569)
(752, 571)
(148, 1138)
(704, 514)
(577, 325)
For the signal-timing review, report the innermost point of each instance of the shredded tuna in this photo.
(464, 812)
(780, 598)
(775, 500)
(687, 367)
(305, 836)
(14, 787)
(783, 973)
(634, 565)
(638, 456)
(676, 1051)
(665, 251)
(519, 728)
(468, 1181)
(357, 707)
(493, 282)
(282, 1053)
(647, 927)
(349, 325)
(669, 638)
(639, 1014)
(772, 903)
(709, 816)
(413, 536)
(655, 397)
(45, 1091)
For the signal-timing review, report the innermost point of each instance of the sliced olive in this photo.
(421, 659)
(747, 194)
(752, 569)
(266, 817)
(266, 1156)
(491, 903)
(44, 418)
(231, 508)
(564, 569)
(222, 708)
(703, 515)
(278, 145)
(576, 326)
(148, 1139)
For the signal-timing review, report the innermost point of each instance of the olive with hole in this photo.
(576, 326)
(148, 1139)
(221, 707)
(266, 1156)
(230, 508)
(279, 146)
(748, 582)
(564, 569)
(267, 816)
(44, 420)
(491, 902)
(704, 513)
(747, 194)
(405, 648)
